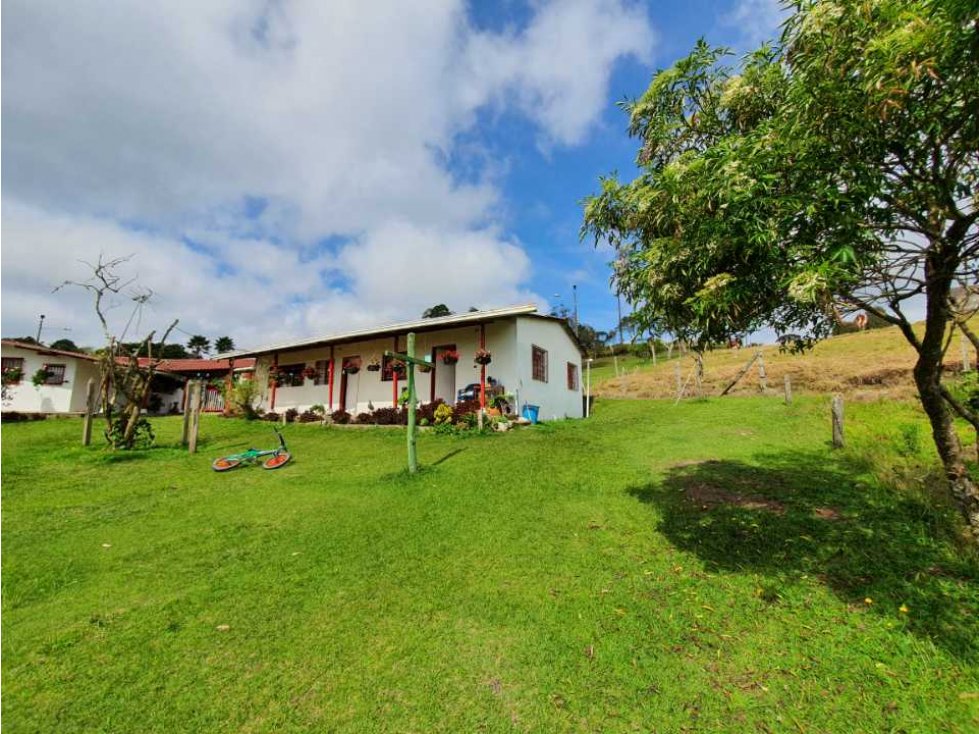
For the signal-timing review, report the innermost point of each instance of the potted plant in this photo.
(310, 372)
(450, 356)
(276, 378)
(483, 356)
(40, 377)
(373, 364)
(399, 368)
(12, 375)
(351, 366)
(426, 367)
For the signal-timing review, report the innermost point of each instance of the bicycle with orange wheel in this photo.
(277, 457)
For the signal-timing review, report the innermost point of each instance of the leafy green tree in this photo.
(199, 345)
(65, 345)
(834, 172)
(224, 344)
(435, 311)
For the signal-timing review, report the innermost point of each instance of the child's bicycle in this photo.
(277, 457)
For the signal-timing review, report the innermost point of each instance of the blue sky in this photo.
(287, 168)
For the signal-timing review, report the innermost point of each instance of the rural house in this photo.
(64, 387)
(172, 375)
(533, 360)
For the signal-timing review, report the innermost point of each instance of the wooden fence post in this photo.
(965, 354)
(837, 410)
(679, 379)
(699, 374)
(89, 409)
(195, 415)
(185, 434)
(788, 390)
(762, 375)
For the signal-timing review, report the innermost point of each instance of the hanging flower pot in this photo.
(450, 356)
(373, 364)
(483, 356)
(351, 366)
(424, 368)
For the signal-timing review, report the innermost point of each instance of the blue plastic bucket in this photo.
(530, 412)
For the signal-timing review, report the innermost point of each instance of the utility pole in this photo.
(40, 325)
(574, 292)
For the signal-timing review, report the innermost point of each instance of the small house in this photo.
(514, 354)
(65, 378)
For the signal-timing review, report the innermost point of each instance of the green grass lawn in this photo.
(711, 566)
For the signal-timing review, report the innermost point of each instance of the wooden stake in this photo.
(965, 354)
(742, 373)
(185, 434)
(195, 415)
(699, 374)
(679, 379)
(788, 390)
(837, 410)
(89, 410)
(762, 376)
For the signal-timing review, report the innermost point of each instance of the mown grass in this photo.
(701, 567)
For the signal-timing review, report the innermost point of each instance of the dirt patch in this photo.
(707, 496)
(827, 513)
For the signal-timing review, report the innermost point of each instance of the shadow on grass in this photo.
(794, 514)
(447, 456)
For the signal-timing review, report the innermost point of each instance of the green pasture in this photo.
(712, 566)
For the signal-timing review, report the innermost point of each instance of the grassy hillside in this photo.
(711, 566)
(867, 365)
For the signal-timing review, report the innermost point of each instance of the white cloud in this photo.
(756, 21)
(338, 116)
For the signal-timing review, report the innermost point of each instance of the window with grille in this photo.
(291, 375)
(56, 374)
(322, 372)
(390, 367)
(572, 376)
(13, 366)
(539, 362)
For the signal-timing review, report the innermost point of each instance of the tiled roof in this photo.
(199, 365)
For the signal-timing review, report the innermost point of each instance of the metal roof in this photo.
(419, 325)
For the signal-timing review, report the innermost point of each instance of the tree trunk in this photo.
(928, 379)
(963, 489)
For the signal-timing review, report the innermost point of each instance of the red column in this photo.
(482, 369)
(329, 378)
(275, 367)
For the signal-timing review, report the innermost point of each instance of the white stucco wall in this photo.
(553, 397)
(68, 397)
(366, 387)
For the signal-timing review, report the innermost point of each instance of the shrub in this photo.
(291, 415)
(240, 396)
(364, 419)
(272, 417)
(443, 415)
(390, 416)
(318, 409)
(464, 408)
(309, 416)
(426, 412)
(340, 417)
